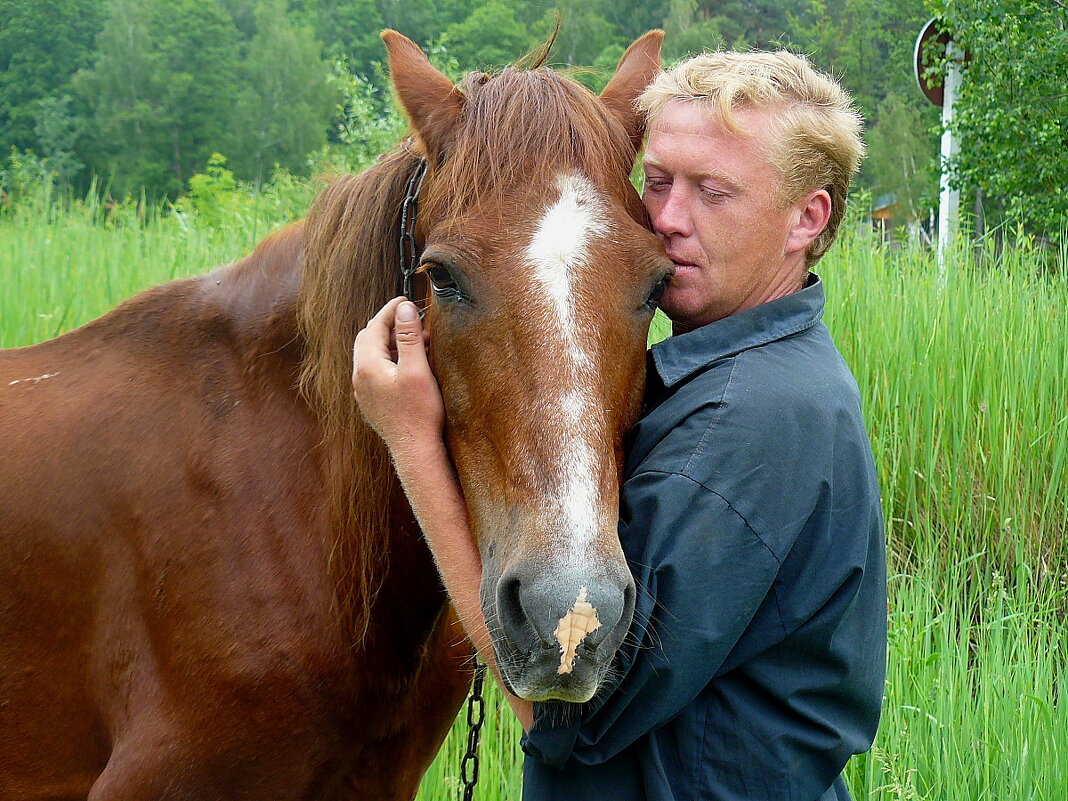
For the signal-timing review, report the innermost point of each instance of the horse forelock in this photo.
(522, 124)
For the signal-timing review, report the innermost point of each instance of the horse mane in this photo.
(351, 269)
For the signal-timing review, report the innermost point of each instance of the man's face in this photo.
(715, 202)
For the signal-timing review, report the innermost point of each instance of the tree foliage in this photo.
(42, 44)
(902, 163)
(57, 132)
(285, 102)
(163, 91)
(141, 92)
(1012, 115)
(490, 37)
(349, 29)
(869, 48)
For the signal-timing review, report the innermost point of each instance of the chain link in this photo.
(476, 716)
(409, 252)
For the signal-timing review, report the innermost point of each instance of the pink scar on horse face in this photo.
(572, 630)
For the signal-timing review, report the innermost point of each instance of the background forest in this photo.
(139, 94)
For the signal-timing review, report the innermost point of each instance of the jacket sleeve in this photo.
(701, 573)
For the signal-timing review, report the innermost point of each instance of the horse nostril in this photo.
(615, 615)
(510, 611)
(533, 606)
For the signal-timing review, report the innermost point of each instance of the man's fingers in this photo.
(391, 371)
(411, 348)
(372, 355)
(375, 338)
(380, 327)
(391, 344)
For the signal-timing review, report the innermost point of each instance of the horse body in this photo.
(171, 609)
(211, 583)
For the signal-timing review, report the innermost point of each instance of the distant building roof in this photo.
(885, 201)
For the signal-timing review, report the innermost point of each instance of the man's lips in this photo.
(683, 266)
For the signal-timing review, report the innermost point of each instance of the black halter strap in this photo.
(409, 251)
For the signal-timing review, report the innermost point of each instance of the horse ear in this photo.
(429, 98)
(635, 71)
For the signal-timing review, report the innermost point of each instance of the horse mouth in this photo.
(556, 626)
(535, 674)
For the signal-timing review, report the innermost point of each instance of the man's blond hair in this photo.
(818, 141)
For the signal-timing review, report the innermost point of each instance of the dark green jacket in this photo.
(750, 518)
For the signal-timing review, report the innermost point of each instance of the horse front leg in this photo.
(392, 769)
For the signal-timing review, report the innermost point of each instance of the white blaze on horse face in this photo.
(559, 254)
(561, 242)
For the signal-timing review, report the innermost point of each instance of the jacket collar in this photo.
(681, 356)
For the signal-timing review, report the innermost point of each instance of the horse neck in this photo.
(370, 526)
(260, 295)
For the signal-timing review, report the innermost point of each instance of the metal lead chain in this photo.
(409, 253)
(476, 716)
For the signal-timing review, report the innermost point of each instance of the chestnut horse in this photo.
(211, 584)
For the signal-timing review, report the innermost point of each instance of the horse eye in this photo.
(441, 278)
(653, 301)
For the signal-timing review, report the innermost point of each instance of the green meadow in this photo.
(964, 374)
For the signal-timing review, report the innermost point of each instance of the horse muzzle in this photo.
(558, 629)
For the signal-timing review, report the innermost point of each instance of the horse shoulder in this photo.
(165, 499)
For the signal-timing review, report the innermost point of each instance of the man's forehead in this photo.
(705, 117)
(684, 126)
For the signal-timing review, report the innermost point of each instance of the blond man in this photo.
(749, 511)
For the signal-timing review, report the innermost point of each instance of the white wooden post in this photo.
(949, 198)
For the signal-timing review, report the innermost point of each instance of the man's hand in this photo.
(392, 380)
(399, 397)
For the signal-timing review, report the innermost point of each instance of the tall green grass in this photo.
(60, 269)
(965, 379)
(965, 375)
(965, 382)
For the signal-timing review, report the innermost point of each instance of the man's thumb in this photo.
(406, 326)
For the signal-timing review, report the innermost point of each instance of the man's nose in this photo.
(670, 214)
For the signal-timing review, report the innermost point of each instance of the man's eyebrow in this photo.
(649, 160)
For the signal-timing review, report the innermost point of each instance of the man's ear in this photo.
(812, 213)
(428, 97)
(635, 71)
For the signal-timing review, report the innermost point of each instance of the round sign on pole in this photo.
(930, 44)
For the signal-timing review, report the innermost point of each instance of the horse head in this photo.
(542, 279)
